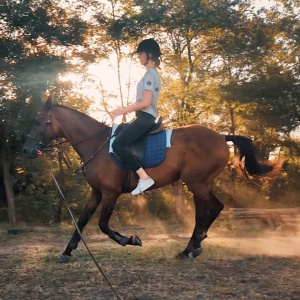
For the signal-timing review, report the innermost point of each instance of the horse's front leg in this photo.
(207, 210)
(108, 205)
(93, 202)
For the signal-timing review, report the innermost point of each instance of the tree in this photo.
(5, 163)
(37, 43)
(225, 65)
(268, 88)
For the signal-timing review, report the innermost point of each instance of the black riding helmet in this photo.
(149, 46)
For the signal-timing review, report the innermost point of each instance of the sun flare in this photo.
(100, 83)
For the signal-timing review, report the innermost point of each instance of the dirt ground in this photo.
(245, 263)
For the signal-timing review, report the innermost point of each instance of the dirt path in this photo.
(233, 266)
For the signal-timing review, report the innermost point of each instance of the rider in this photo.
(145, 108)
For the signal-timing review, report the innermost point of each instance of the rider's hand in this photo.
(118, 112)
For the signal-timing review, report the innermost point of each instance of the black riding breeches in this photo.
(141, 126)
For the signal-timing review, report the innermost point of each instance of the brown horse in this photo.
(197, 156)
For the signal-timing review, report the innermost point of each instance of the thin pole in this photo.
(85, 244)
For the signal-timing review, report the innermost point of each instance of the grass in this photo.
(228, 268)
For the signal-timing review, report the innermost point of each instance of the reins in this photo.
(117, 131)
(92, 156)
(42, 146)
(83, 164)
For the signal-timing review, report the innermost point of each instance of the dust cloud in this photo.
(254, 235)
(265, 244)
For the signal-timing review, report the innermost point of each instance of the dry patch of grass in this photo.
(225, 270)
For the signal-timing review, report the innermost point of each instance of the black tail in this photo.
(247, 150)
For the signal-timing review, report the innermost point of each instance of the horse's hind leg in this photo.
(207, 209)
(90, 207)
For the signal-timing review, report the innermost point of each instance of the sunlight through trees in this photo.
(230, 65)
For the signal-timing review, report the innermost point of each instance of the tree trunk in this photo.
(7, 178)
(233, 174)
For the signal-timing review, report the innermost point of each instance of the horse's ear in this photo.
(49, 100)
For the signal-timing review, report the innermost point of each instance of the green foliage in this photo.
(37, 200)
(225, 66)
(288, 180)
(36, 43)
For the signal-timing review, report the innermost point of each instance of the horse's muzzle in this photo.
(30, 153)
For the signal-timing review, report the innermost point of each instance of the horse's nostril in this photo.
(24, 151)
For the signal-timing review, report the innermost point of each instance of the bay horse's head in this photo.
(41, 132)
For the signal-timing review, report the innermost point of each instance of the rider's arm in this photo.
(146, 101)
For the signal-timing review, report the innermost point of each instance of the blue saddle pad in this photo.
(155, 151)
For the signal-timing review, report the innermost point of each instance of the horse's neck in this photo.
(84, 133)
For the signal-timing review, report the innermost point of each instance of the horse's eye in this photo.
(37, 123)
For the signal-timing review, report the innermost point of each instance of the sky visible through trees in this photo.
(232, 66)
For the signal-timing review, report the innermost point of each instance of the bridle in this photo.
(41, 145)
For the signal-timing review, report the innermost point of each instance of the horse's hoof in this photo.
(136, 241)
(192, 254)
(181, 256)
(64, 259)
(195, 252)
